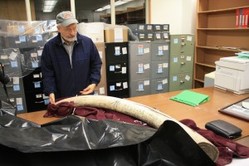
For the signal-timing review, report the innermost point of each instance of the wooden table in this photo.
(200, 114)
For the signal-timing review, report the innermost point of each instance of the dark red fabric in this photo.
(228, 148)
(102, 114)
(67, 108)
(60, 110)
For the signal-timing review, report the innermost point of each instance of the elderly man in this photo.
(70, 62)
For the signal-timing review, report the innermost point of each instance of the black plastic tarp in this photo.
(74, 141)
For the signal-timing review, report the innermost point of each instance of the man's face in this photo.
(69, 32)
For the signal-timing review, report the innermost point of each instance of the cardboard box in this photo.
(101, 88)
(116, 34)
(93, 30)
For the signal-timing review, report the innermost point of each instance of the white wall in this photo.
(180, 14)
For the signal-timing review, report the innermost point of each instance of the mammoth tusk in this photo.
(151, 116)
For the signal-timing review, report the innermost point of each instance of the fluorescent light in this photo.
(117, 3)
(103, 8)
(48, 5)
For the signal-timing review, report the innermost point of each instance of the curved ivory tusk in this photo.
(142, 112)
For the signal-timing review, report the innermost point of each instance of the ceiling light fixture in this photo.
(48, 5)
(117, 3)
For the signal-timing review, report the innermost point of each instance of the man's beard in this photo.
(71, 39)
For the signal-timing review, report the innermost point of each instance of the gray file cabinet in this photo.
(149, 67)
(139, 61)
(159, 66)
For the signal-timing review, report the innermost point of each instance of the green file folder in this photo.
(190, 98)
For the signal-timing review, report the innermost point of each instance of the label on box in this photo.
(13, 64)
(124, 50)
(33, 55)
(118, 66)
(117, 51)
(118, 35)
(175, 78)
(140, 49)
(160, 68)
(165, 35)
(19, 107)
(13, 56)
(38, 96)
(140, 68)
(4, 57)
(147, 66)
(36, 76)
(35, 64)
(22, 39)
(150, 35)
(37, 84)
(112, 88)
(175, 59)
(16, 80)
(149, 27)
(19, 101)
(166, 47)
(118, 84)
(111, 68)
(146, 50)
(124, 70)
(147, 82)
(140, 87)
(125, 85)
(159, 86)
(189, 38)
(187, 77)
(158, 36)
(188, 58)
(165, 65)
(16, 87)
(141, 27)
(160, 50)
(165, 81)
(176, 41)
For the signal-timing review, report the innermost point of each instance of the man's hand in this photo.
(52, 98)
(88, 90)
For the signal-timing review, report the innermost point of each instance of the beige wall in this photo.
(180, 14)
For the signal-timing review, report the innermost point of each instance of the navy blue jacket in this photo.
(58, 75)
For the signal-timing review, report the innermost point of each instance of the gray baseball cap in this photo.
(66, 18)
